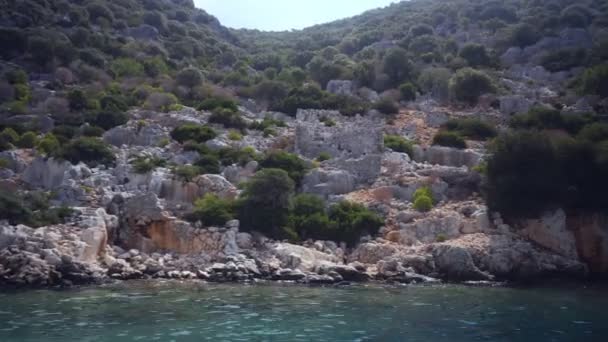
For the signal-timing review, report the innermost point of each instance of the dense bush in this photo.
(475, 55)
(423, 203)
(208, 163)
(295, 167)
(145, 164)
(565, 59)
(230, 156)
(595, 80)
(468, 84)
(407, 91)
(398, 143)
(546, 118)
(212, 211)
(108, 119)
(91, 151)
(522, 35)
(28, 140)
(471, 128)
(397, 65)
(31, 209)
(352, 221)
(435, 82)
(126, 67)
(449, 139)
(228, 118)
(186, 173)
(265, 202)
(193, 132)
(387, 106)
(189, 77)
(524, 175)
(48, 144)
(214, 103)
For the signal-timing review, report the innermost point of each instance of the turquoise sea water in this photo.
(171, 311)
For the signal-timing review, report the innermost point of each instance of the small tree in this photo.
(212, 210)
(265, 202)
(397, 65)
(91, 151)
(189, 77)
(295, 167)
(449, 139)
(193, 132)
(475, 55)
(468, 84)
(407, 91)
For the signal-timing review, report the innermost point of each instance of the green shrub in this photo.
(352, 221)
(228, 118)
(522, 35)
(424, 191)
(423, 204)
(126, 67)
(208, 164)
(308, 218)
(114, 103)
(78, 100)
(269, 132)
(8, 135)
(595, 133)
(143, 164)
(323, 156)
(31, 209)
(48, 144)
(189, 77)
(193, 132)
(213, 211)
(266, 123)
(28, 140)
(92, 131)
(471, 128)
(407, 91)
(475, 55)
(594, 80)
(386, 106)
(397, 65)
(399, 144)
(107, 119)
(436, 82)
(265, 202)
(449, 139)
(235, 136)
(91, 151)
(564, 59)
(22, 93)
(229, 156)
(16, 76)
(468, 84)
(186, 173)
(218, 102)
(524, 174)
(546, 118)
(295, 167)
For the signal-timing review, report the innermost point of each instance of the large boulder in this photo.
(341, 87)
(51, 173)
(447, 156)
(551, 232)
(302, 258)
(136, 134)
(325, 182)
(430, 229)
(591, 233)
(456, 263)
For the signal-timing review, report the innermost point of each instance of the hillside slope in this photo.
(461, 140)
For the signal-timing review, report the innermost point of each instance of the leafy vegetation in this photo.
(398, 143)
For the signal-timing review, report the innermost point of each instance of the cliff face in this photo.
(580, 236)
(591, 232)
